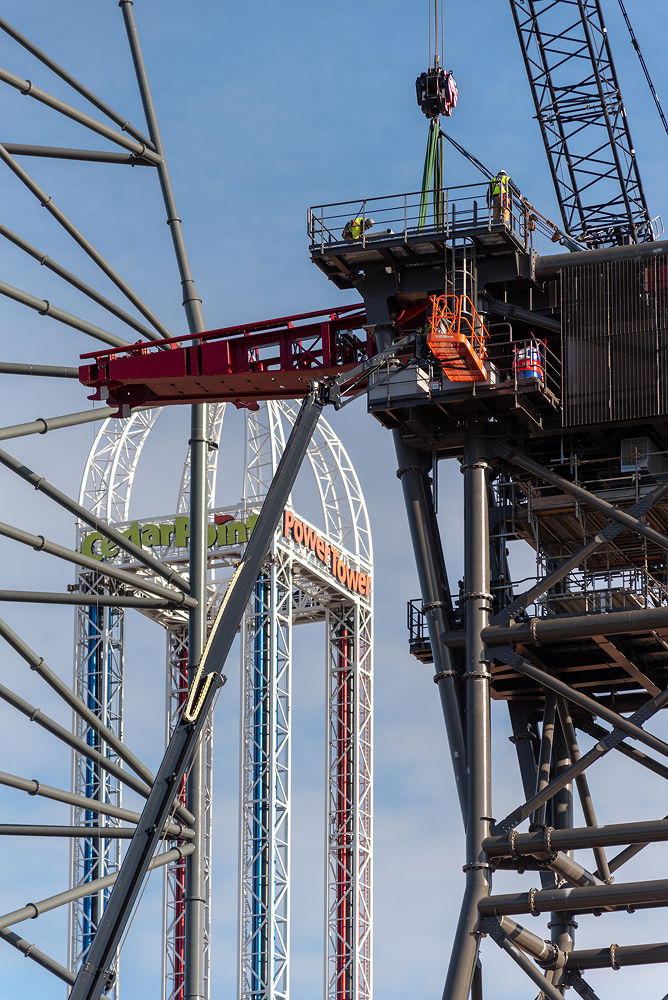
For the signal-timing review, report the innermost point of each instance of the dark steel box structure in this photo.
(615, 340)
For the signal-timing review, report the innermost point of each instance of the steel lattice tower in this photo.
(583, 121)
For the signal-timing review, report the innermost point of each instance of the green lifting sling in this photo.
(432, 177)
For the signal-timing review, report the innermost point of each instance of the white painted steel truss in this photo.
(174, 892)
(98, 681)
(265, 784)
(292, 589)
(349, 802)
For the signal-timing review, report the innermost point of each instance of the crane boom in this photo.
(583, 121)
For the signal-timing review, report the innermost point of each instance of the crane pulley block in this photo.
(436, 92)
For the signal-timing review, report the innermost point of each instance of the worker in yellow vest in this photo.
(354, 228)
(499, 197)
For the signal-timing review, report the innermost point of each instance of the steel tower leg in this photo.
(98, 681)
(194, 902)
(174, 919)
(477, 604)
(349, 819)
(434, 588)
(265, 784)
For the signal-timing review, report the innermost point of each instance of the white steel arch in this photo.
(344, 510)
(107, 489)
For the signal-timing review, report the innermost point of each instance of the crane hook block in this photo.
(436, 92)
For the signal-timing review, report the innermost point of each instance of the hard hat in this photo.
(502, 173)
(368, 223)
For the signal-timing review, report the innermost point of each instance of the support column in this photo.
(477, 603)
(195, 864)
(98, 681)
(562, 924)
(264, 887)
(194, 899)
(348, 973)
(434, 588)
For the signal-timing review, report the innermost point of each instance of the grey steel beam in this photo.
(28, 89)
(44, 424)
(32, 910)
(85, 244)
(199, 445)
(582, 784)
(30, 951)
(75, 832)
(63, 500)
(580, 899)
(75, 84)
(41, 544)
(87, 155)
(552, 683)
(191, 300)
(493, 928)
(44, 308)
(69, 739)
(565, 627)
(577, 838)
(513, 819)
(511, 311)
(630, 852)
(71, 279)
(84, 600)
(195, 901)
(572, 870)
(618, 956)
(477, 604)
(38, 664)
(434, 588)
(545, 755)
(600, 539)
(588, 725)
(46, 371)
(550, 266)
(614, 513)
(34, 787)
(544, 952)
(95, 974)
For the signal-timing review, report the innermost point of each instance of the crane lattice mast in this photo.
(583, 121)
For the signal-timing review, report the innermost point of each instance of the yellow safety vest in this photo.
(500, 187)
(356, 228)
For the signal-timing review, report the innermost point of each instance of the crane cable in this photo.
(636, 46)
(436, 58)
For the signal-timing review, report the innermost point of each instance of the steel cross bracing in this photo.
(602, 674)
(583, 121)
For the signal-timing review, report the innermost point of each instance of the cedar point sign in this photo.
(226, 531)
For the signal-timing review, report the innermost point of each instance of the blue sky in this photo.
(264, 110)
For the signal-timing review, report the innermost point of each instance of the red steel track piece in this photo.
(273, 359)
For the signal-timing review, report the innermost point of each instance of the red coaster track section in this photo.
(273, 359)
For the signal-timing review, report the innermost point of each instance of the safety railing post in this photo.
(364, 222)
(322, 227)
(405, 219)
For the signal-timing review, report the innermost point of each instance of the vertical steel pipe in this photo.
(434, 588)
(562, 924)
(477, 604)
(194, 902)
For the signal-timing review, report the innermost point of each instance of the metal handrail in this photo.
(400, 213)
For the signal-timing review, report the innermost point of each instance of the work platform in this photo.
(401, 239)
